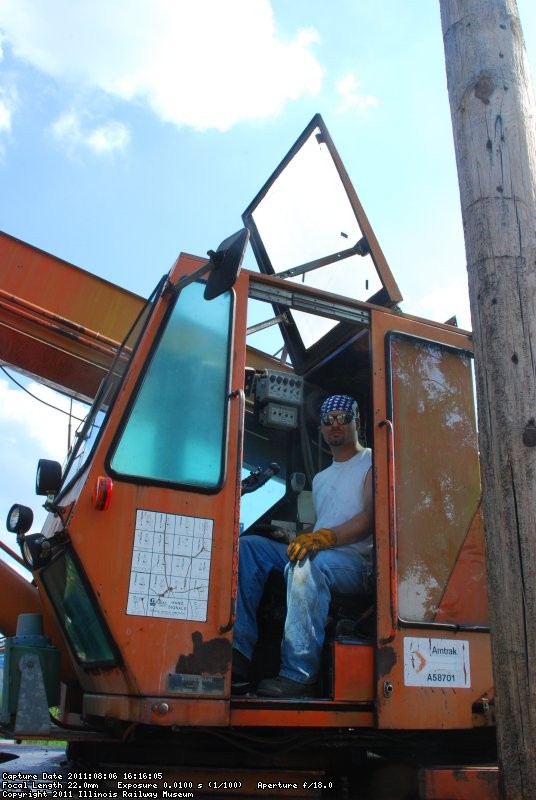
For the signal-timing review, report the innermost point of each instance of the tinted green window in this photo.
(78, 613)
(175, 431)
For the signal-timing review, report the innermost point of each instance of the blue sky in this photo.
(131, 130)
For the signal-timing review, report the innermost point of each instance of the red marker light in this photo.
(103, 493)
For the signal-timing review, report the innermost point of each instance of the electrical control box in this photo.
(280, 386)
(274, 415)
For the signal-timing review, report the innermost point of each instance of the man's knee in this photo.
(310, 571)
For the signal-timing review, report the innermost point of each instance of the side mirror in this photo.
(226, 263)
(223, 266)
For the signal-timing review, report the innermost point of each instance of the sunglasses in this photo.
(342, 418)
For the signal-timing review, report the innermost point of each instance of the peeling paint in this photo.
(207, 658)
(385, 661)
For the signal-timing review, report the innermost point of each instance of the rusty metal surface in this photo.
(459, 783)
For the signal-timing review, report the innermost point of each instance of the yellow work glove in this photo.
(310, 544)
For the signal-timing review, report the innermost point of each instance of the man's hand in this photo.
(310, 544)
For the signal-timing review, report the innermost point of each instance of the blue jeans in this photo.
(309, 586)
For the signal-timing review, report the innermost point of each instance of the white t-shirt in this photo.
(339, 494)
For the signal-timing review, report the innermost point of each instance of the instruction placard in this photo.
(170, 569)
(436, 662)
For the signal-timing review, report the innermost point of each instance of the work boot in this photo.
(283, 688)
(240, 681)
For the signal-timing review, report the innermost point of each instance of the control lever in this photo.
(257, 478)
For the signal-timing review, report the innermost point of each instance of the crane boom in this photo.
(59, 322)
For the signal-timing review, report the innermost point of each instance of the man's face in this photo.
(339, 434)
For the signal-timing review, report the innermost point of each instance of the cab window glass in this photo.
(77, 612)
(254, 505)
(175, 431)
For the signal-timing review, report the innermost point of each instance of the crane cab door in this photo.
(182, 433)
(144, 587)
(433, 661)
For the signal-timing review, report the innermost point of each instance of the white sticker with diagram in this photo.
(436, 662)
(170, 568)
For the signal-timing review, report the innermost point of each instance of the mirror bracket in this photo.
(222, 268)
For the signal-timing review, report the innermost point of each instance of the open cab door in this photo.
(433, 663)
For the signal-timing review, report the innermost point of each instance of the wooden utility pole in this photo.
(493, 119)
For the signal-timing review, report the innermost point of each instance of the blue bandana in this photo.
(339, 402)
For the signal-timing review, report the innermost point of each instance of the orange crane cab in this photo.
(214, 392)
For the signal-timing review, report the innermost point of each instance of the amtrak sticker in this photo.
(437, 663)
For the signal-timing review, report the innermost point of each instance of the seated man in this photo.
(337, 555)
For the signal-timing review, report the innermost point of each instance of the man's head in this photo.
(339, 416)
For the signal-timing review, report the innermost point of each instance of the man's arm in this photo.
(360, 525)
(353, 530)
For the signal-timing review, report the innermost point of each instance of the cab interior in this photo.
(282, 426)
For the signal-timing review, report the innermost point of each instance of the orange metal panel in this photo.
(159, 710)
(18, 596)
(400, 706)
(58, 322)
(353, 671)
(432, 707)
(457, 604)
(459, 783)
(51, 363)
(299, 713)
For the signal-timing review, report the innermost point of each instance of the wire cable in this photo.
(50, 405)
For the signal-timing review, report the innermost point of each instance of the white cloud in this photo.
(23, 417)
(7, 107)
(8, 101)
(351, 97)
(69, 130)
(207, 64)
(29, 431)
(108, 137)
(444, 302)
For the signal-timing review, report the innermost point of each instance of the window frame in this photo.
(150, 481)
(463, 351)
